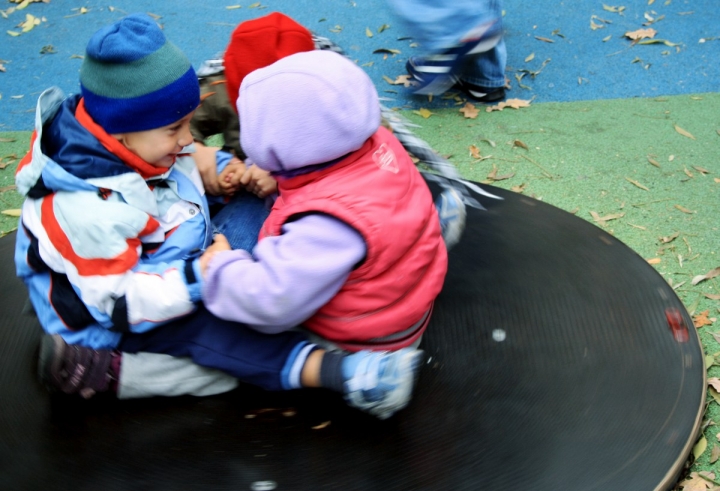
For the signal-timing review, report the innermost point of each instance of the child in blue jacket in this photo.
(113, 225)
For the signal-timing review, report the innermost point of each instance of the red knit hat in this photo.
(261, 42)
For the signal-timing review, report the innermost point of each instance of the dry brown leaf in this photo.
(518, 189)
(641, 34)
(321, 425)
(669, 238)
(616, 10)
(711, 296)
(684, 132)
(530, 57)
(602, 220)
(512, 103)
(701, 170)
(716, 179)
(714, 382)
(683, 209)
(470, 111)
(475, 152)
(368, 32)
(546, 40)
(714, 454)
(635, 183)
(655, 260)
(520, 143)
(702, 277)
(688, 173)
(11, 213)
(653, 161)
(700, 320)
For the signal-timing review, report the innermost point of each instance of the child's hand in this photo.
(228, 179)
(258, 181)
(220, 244)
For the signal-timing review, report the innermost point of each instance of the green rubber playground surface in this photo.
(645, 170)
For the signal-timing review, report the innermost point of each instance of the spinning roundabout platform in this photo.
(558, 360)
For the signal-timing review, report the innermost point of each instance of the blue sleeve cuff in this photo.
(222, 159)
(193, 277)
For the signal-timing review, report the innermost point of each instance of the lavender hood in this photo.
(306, 109)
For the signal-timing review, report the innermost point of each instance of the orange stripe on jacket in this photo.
(28, 156)
(97, 266)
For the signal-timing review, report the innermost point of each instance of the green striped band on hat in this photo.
(136, 78)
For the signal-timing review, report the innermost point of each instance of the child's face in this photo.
(159, 146)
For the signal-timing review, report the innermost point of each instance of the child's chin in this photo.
(165, 162)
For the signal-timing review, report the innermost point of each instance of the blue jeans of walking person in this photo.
(440, 26)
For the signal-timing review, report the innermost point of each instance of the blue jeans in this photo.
(240, 220)
(439, 24)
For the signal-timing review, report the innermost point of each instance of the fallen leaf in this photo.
(653, 161)
(669, 238)
(530, 57)
(688, 173)
(518, 189)
(11, 213)
(714, 382)
(606, 218)
(696, 483)
(700, 320)
(387, 51)
(321, 425)
(383, 28)
(617, 10)
(683, 209)
(711, 296)
(641, 34)
(368, 32)
(655, 260)
(469, 111)
(475, 152)
(423, 112)
(702, 277)
(519, 143)
(714, 454)
(7, 140)
(635, 183)
(700, 447)
(546, 40)
(607, 38)
(512, 103)
(701, 170)
(683, 132)
(231, 7)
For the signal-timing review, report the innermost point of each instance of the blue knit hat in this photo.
(134, 79)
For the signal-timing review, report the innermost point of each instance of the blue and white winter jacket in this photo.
(101, 249)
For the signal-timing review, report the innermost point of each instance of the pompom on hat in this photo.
(134, 79)
(260, 42)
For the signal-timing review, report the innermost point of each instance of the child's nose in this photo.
(185, 137)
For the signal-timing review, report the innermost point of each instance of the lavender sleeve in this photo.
(288, 277)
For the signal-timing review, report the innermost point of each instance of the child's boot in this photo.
(381, 383)
(452, 213)
(73, 369)
(436, 73)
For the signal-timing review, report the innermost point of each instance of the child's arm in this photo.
(98, 245)
(287, 278)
